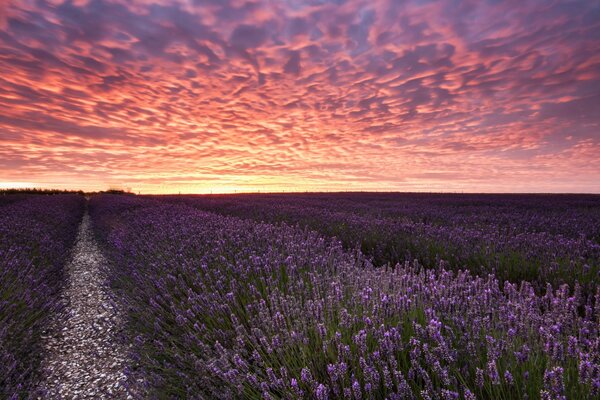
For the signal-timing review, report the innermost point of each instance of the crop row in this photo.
(36, 234)
(541, 239)
(222, 307)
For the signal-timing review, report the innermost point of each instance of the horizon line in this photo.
(336, 191)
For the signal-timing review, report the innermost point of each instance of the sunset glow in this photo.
(233, 95)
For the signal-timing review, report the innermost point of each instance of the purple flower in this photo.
(296, 388)
(299, 292)
(306, 376)
(553, 384)
(492, 371)
(508, 378)
(322, 393)
(479, 379)
(469, 395)
(356, 390)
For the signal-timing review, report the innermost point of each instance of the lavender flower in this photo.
(36, 235)
(553, 384)
(300, 314)
(322, 393)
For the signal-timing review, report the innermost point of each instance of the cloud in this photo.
(292, 66)
(248, 36)
(307, 94)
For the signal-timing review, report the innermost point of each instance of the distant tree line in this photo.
(58, 191)
(38, 191)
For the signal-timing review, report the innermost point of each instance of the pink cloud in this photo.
(308, 95)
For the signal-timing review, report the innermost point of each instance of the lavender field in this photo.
(36, 234)
(539, 238)
(323, 296)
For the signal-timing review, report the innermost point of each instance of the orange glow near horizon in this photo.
(317, 95)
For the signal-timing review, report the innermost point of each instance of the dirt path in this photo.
(84, 357)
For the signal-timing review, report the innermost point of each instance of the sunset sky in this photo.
(241, 95)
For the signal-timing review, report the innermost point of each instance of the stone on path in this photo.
(84, 355)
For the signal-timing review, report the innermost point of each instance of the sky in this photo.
(203, 96)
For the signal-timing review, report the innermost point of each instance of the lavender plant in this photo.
(9, 199)
(36, 233)
(538, 238)
(227, 308)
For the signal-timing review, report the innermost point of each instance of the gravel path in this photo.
(85, 359)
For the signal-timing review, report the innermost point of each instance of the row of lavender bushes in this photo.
(538, 238)
(227, 308)
(36, 234)
(569, 215)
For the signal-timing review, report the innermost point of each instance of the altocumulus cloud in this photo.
(477, 95)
